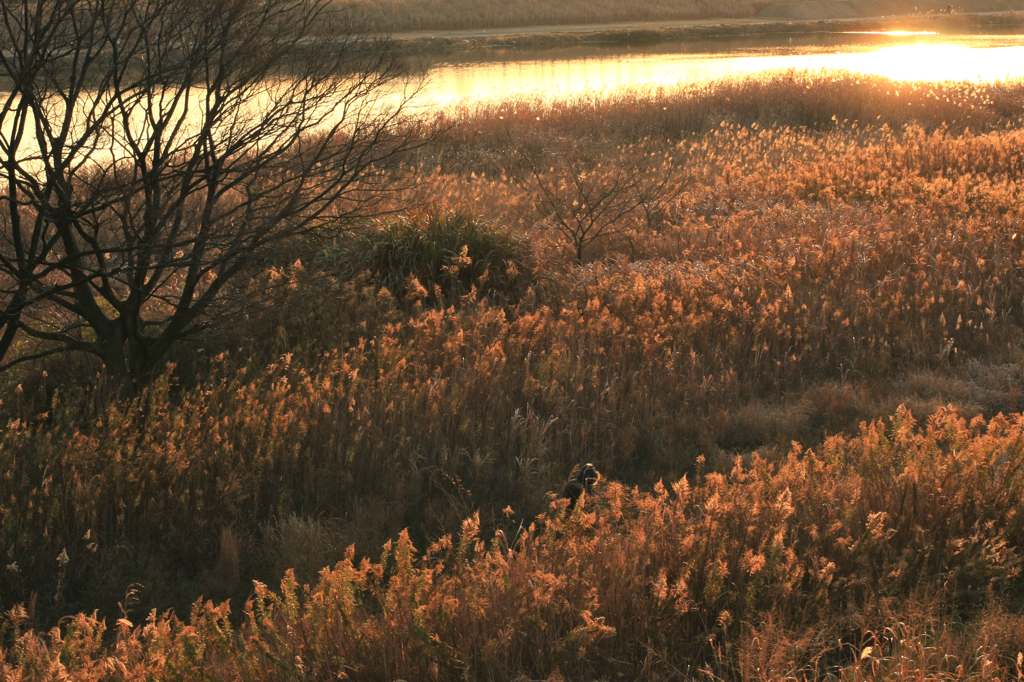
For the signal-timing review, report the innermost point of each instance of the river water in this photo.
(558, 72)
(554, 72)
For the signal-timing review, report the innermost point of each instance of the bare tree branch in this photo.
(152, 148)
(585, 200)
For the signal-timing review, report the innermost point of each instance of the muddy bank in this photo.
(570, 36)
(858, 9)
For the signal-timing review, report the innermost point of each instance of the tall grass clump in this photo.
(438, 255)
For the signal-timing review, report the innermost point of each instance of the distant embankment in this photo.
(858, 9)
(969, 16)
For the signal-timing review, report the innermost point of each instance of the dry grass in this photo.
(418, 15)
(842, 563)
(828, 257)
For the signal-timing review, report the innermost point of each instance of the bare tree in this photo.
(152, 148)
(586, 199)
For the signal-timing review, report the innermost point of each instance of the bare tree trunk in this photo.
(157, 147)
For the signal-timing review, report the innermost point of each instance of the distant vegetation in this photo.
(789, 370)
(418, 15)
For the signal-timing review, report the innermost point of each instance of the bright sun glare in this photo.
(936, 62)
(925, 61)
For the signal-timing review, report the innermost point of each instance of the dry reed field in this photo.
(419, 15)
(783, 317)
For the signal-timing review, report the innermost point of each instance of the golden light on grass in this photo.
(839, 249)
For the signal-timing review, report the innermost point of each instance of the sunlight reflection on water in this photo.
(903, 56)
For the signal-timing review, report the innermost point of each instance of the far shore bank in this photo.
(649, 33)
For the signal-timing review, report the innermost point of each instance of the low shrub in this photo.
(438, 256)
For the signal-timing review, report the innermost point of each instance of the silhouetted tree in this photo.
(585, 199)
(151, 149)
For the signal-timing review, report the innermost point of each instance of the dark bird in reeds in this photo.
(583, 478)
